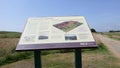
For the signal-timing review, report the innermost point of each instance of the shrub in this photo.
(15, 57)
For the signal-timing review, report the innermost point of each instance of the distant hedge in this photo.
(7, 34)
(114, 31)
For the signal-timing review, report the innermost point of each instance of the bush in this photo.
(93, 30)
(15, 57)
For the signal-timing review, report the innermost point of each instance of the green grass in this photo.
(91, 58)
(13, 57)
(113, 35)
(6, 34)
(101, 49)
(8, 53)
(17, 56)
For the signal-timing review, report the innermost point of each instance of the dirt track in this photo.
(112, 45)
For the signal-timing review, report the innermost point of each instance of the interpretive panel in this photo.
(56, 33)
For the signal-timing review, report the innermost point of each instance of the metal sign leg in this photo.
(37, 59)
(78, 58)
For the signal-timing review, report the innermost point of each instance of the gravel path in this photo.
(113, 45)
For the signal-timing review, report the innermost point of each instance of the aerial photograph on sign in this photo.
(67, 26)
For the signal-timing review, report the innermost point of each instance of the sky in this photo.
(102, 15)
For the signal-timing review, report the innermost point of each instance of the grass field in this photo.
(8, 53)
(7, 34)
(91, 58)
(113, 35)
(8, 42)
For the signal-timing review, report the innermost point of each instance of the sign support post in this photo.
(37, 59)
(78, 58)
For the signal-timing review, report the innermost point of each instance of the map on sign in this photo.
(56, 32)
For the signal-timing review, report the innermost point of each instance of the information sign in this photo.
(56, 33)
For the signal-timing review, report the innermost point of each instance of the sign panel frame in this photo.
(68, 32)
